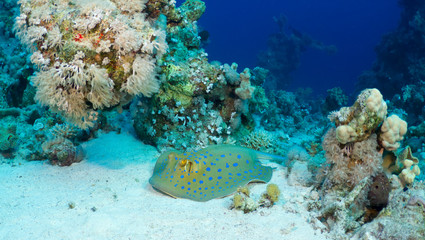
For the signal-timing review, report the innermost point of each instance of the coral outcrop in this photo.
(362, 168)
(198, 103)
(357, 123)
(91, 54)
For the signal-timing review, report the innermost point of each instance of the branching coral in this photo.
(91, 54)
(259, 140)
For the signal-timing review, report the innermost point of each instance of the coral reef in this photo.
(293, 112)
(60, 148)
(354, 148)
(336, 212)
(363, 165)
(15, 66)
(90, 55)
(198, 103)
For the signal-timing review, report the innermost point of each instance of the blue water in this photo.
(239, 30)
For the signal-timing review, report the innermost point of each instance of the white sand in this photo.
(113, 179)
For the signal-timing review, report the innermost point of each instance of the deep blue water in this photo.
(239, 30)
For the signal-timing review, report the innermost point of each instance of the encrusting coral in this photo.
(90, 54)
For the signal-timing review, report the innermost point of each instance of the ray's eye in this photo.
(186, 165)
(183, 162)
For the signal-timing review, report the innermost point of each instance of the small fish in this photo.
(209, 173)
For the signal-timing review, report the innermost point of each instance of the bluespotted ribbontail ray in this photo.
(209, 173)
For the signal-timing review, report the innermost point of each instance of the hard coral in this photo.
(392, 131)
(259, 140)
(359, 121)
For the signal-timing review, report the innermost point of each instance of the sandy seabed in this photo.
(112, 199)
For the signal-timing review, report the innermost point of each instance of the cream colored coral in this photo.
(358, 122)
(345, 134)
(69, 41)
(375, 103)
(245, 90)
(407, 176)
(143, 78)
(392, 131)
